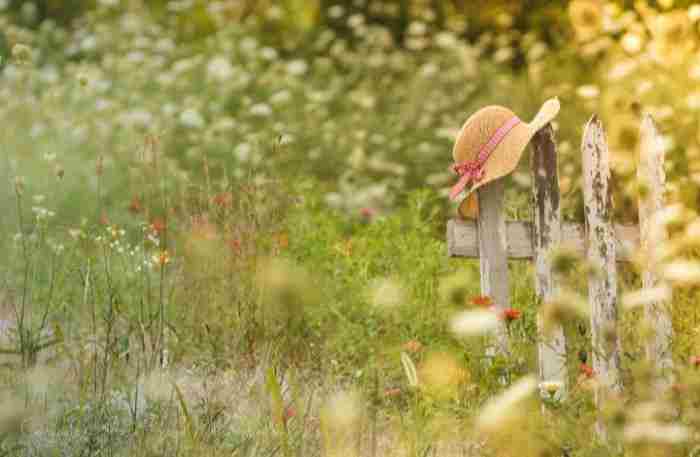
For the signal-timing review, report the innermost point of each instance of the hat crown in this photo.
(478, 130)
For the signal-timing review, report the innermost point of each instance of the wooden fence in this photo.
(494, 240)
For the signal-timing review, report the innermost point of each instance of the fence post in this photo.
(546, 233)
(493, 258)
(651, 178)
(602, 284)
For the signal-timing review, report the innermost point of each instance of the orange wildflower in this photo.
(158, 225)
(510, 314)
(135, 206)
(586, 370)
(482, 300)
(223, 200)
(412, 346)
(393, 392)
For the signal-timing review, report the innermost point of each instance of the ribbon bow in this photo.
(473, 170)
(470, 171)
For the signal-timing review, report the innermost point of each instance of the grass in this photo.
(224, 248)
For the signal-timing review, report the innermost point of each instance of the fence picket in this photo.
(493, 259)
(602, 284)
(547, 235)
(651, 175)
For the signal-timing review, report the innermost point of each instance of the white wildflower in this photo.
(694, 12)
(297, 67)
(473, 323)
(551, 387)
(261, 110)
(268, 53)
(336, 12)
(192, 118)
(588, 91)
(682, 272)
(655, 432)
(243, 151)
(642, 297)
(219, 69)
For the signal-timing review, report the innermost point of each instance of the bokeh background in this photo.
(222, 225)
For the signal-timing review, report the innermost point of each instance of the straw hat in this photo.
(490, 145)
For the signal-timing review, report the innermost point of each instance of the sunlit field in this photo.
(222, 227)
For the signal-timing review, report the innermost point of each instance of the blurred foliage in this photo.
(204, 198)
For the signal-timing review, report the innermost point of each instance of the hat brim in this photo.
(504, 159)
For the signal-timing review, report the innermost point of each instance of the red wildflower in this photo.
(510, 314)
(694, 360)
(135, 205)
(412, 346)
(586, 370)
(223, 200)
(679, 388)
(158, 225)
(394, 392)
(289, 412)
(104, 220)
(482, 300)
(368, 213)
(235, 245)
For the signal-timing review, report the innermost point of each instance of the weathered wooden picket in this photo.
(494, 240)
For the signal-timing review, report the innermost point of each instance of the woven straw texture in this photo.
(481, 126)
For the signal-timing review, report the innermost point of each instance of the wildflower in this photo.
(586, 18)
(135, 206)
(694, 360)
(412, 346)
(21, 52)
(551, 387)
(235, 245)
(642, 297)
(219, 69)
(222, 200)
(656, 432)
(104, 220)
(682, 272)
(588, 91)
(694, 13)
(510, 314)
(473, 323)
(162, 258)
(632, 42)
(483, 301)
(586, 370)
(192, 118)
(297, 67)
(679, 388)
(157, 226)
(393, 392)
(261, 110)
(368, 213)
(289, 412)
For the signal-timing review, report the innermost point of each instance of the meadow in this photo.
(223, 229)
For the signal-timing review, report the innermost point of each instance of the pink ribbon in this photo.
(473, 170)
